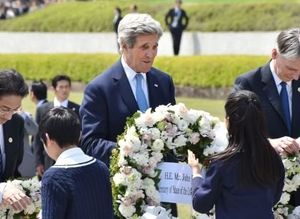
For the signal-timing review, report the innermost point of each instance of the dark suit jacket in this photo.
(261, 82)
(116, 24)
(13, 133)
(37, 111)
(221, 187)
(182, 22)
(41, 156)
(108, 101)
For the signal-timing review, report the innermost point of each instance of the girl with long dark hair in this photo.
(246, 180)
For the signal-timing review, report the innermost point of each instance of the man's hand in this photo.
(285, 145)
(40, 170)
(15, 198)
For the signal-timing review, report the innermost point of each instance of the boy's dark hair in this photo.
(12, 83)
(62, 125)
(39, 89)
(58, 78)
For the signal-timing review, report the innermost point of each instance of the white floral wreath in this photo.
(31, 187)
(147, 138)
(291, 183)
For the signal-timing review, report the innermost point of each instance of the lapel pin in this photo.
(73, 108)
(298, 89)
(10, 140)
(155, 85)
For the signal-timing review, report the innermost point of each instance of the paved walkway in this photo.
(193, 43)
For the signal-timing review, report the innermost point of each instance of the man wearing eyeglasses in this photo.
(12, 90)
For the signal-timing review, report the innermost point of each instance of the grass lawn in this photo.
(215, 107)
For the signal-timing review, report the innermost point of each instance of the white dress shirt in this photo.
(2, 185)
(56, 103)
(2, 148)
(278, 85)
(130, 73)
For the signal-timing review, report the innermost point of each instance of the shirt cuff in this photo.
(197, 175)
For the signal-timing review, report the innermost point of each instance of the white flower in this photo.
(126, 147)
(205, 126)
(155, 133)
(296, 180)
(194, 138)
(289, 185)
(285, 197)
(152, 194)
(295, 214)
(182, 125)
(141, 158)
(180, 109)
(119, 178)
(126, 211)
(280, 212)
(158, 145)
(133, 142)
(156, 156)
(180, 141)
(156, 212)
(220, 132)
(287, 163)
(145, 120)
(148, 182)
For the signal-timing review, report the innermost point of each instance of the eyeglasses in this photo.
(5, 111)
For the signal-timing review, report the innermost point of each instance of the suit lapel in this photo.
(8, 139)
(271, 90)
(123, 87)
(153, 90)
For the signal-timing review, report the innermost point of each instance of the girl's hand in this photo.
(194, 163)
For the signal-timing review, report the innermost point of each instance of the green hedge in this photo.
(195, 71)
(97, 16)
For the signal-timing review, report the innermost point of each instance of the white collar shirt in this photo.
(56, 103)
(278, 85)
(130, 74)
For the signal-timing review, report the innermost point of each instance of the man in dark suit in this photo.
(177, 21)
(38, 93)
(62, 87)
(12, 90)
(131, 84)
(266, 83)
(278, 86)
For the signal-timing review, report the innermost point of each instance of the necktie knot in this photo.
(283, 84)
(140, 95)
(139, 78)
